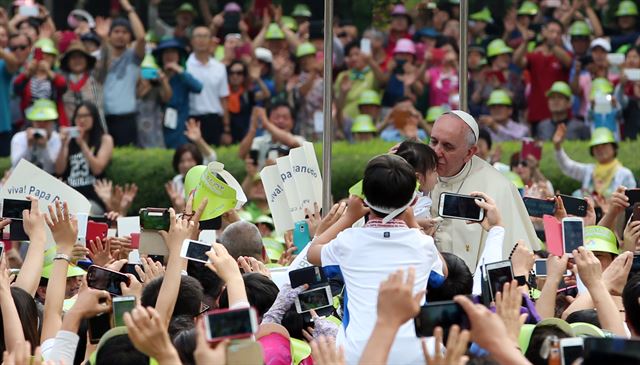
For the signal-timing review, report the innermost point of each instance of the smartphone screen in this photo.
(12, 208)
(443, 314)
(636, 212)
(539, 207)
(571, 354)
(498, 275)
(574, 206)
(131, 269)
(635, 266)
(103, 279)
(16, 231)
(195, 250)
(541, 267)
(365, 46)
(633, 195)
(461, 206)
(253, 155)
(122, 305)
(312, 276)
(154, 219)
(229, 323)
(98, 326)
(314, 299)
(573, 235)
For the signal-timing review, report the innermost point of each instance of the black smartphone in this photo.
(459, 206)
(539, 207)
(633, 195)
(498, 273)
(105, 279)
(100, 219)
(231, 22)
(155, 219)
(131, 269)
(98, 326)
(12, 208)
(574, 206)
(211, 224)
(635, 266)
(611, 350)
(16, 231)
(313, 276)
(157, 258)
(253, 155)
(443, 314)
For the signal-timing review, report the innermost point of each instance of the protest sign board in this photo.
(290, 189)
(276, 198)
(306, 174)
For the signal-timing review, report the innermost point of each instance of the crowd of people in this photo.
(251, 75)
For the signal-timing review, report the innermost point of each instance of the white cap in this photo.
(469, 120)
(85, 15)
(264, 55)
(601, 42)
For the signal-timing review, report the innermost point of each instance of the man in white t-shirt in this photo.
(210, 105)
(390, 240)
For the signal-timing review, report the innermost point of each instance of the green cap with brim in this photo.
(72, 271)
(186, 8)
(264, 219)
(499, 97)
(483, 15)
(356, 190)
(528, 8)
(497, 47)
(369, 97)
(47, 46)
(434, 113)
(627, 8)
(600, 86)
(560, 87)
(274, 32)
(527, 330)
(305, 49)
(581, 329)
(600, 239)
(301, 10)
(289, 23)
(363, 124)
(42, 110)
(579, 28)
(149, 62)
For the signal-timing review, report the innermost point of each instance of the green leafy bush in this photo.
(150, 169)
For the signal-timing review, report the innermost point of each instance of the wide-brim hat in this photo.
(77, 46)
(171, 43)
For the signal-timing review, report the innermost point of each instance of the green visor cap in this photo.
(289, 23)
(560, 87)
(186, 8)
(363, 124)
(627, 8)
(600, 239)
(42, 110)
(305, 49)
(47, 46)
(528, 8)
(483, 15)
(499, 97)
(369, 97)
(433, 113)
(498, 47)
(600, 86)
(301, 10)
(602, 135)
(274, 32)
(204, 180)
(579, 28)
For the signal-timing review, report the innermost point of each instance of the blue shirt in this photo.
(5, 90)
(120, 84)
(182, 85)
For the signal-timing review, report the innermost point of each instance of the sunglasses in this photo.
(20, 47)
(520, 163)
(236, 72)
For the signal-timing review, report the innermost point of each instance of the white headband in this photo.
(390, 212)
(468, 119)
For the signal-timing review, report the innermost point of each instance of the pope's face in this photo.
(449, 140)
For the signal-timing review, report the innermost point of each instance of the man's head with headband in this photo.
(389, 186)
(454, 137)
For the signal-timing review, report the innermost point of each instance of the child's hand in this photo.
(355, 209)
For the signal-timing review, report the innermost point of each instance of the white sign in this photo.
(306, 174)
(28, 179)
(128, 225)
(290, 189)
(276, 198)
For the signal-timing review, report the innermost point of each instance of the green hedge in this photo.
(151, 168)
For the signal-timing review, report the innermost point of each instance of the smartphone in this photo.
(574, 206)
(149, 73)
(365, 46)
(155, 219)
(131, 269)
(122, 305)
(105, 279)
(135, 241)
(13, 208)
(96, 230)
(498, 273)
(221, 324)
(312, 276)
(39, 133)
(98, 326)
(615, 59)
(253, 155)
(231, 22)
(157, 258)
(241, 352)
(16, 231)
(540, 268)
(530, 147)
(313, 299)
(443, 314)
(28, 11)
(635, 265)
(73, 132)
(610, 350)
(457, 206)
(633, 195)
(38, 55)
(633, 74)
(570, 350)
(572, 234)
(195, 251)
(539, 207)
(301, 235)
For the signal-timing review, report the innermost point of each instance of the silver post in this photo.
(327, 132)
(464, 74)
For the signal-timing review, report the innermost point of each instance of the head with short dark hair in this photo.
(189, 296)
(584, 316)
(281, 114)
(211, 284)
(120, 350)
(630, 298)
(538, 336)
(185, 157)
(242, 239)
(389, 181)
(459, 280)
(120, 33)
(419, 155)
(261, 292)
(185, 344)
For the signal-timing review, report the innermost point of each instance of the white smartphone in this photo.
(195, 251)
(570, 350)
(221, 324)
(122, 305)
(572, 234)
(458, 206)
(28, 10)
(615, 59)
(314, 299)
(498, 274)
(540, 268)
(365, 46)
(633, 74)
(73, 132)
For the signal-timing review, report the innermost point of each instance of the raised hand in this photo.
(149, 336)
(492, 216)
(63, 227)
(456, 347)
(204, 353)
(100, 253)
(324, 352)
(508, 308)
(104, 190)
(33, 222)
(192, 131)
(250, 264)
(223, 264)
(559, 135)
(396, 302)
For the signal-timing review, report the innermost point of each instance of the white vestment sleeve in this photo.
(492, 253)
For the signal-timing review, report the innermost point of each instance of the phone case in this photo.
(531, 147)
(553, 235)
(94, 230)
(301, 235)
(152, 243)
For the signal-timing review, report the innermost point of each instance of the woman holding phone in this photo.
(85, 154)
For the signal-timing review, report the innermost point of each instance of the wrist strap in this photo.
(62, 256)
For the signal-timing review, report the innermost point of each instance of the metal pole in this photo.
(327, 132)
(464, 74)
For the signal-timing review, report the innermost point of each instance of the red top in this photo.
(544, 70)
(22, 87)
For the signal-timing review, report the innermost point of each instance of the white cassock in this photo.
(467, 240)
